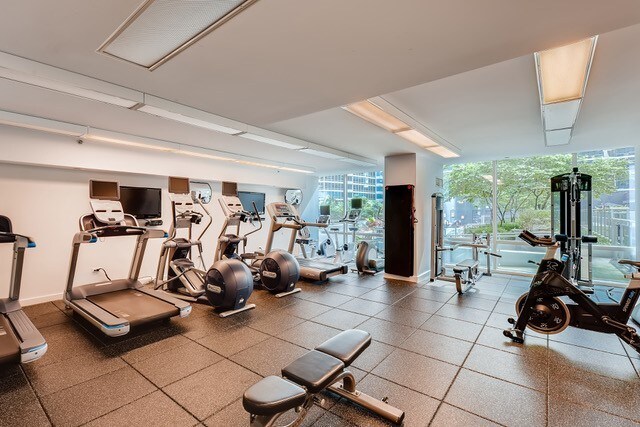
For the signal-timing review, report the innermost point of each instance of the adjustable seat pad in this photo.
(347, 345)
(315, 370)
(273, 395)
(467, 263)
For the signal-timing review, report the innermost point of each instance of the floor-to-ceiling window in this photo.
(516, 195)
(338, 191)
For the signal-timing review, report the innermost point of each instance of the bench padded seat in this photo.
(315, 370)
(347, 345)
(273, 395)
(467, 263)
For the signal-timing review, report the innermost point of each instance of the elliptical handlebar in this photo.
(534, 240)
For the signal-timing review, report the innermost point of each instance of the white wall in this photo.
(44, 190)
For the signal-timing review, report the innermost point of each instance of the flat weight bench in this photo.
(465, 273)
(321, 369)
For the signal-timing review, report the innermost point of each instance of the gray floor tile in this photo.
(208, 391)
(606, 394)
(331, 299)
(99, 396)
(348, 289)
(50, 319)
(363, 306)
(177, 363)
(590, 339)
(51, 378)
(507, 308)
(269, 357)
(446, 349)
(149, 345)
(340, 319)
(598, 362)
(308, 334)
(233, 415)
(274, 324)
(464, 313)
(155, 409)
(36, 310)
(527, 370)
(305, 309)
(471, 301)
(331, 420)
(497, 400)
(452, 327)
(436, 293)
(65, 341)
(210, 323)
(450, 416)
(373, 355)
(233, 340)
(403, 316)
(563, 413)
(422, 374)
(387, 332)
(20, 406)
(382, 297)
(419, 304)
(419, 409)
(493, 337)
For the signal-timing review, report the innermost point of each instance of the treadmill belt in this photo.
(9, 343)
(134, 306)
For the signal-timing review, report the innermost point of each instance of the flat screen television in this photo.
(249, 197)
(141, 202)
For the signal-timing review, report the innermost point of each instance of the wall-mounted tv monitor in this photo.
(104, 190)
(356, 203)
(141, 202)
(248, 198)
(325, 209)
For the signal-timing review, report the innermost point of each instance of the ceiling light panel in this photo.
(370, 112)
(563, 71)
(561, 114)
(319, 153)
(443, 152)
(160, 29)
(37, 123)
(417, 138)
(270, 141)
(558, 137)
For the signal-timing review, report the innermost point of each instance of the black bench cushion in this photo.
(315, 370)
(347, 345)
(273, 395)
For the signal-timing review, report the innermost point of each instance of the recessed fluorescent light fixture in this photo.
(188, 115)
(443, 152)
(270, 141)
(417, 138)
(160, 29)
(558, 137)
(52, 78)
(370, 112)
(319, 153)
(130, 140)
(562, 75)
(564, 70)
(358, 162)
(44, 125)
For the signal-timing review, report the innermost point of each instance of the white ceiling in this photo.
(288, 64)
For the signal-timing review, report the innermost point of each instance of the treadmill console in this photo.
(283, 210)
(324, 219)
(108, 211)
(353, 215)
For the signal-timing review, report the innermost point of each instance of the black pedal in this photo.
(153, 223)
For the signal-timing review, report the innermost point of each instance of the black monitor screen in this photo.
(104, 190)
(141, 202)
(248, 198)
(325, 209)
(356, 203)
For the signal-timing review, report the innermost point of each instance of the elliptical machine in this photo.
(227, 285)
(544, 308)
(346, 253)
(364, 263)
(277, 272)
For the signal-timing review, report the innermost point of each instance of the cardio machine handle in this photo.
(492, 254)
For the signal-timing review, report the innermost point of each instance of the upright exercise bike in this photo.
(545, 310)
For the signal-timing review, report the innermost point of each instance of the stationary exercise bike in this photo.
(545, 308)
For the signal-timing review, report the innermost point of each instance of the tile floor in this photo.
(438, 356)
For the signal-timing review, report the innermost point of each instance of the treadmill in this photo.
(284, 215)
(20, 341)
(115, 306)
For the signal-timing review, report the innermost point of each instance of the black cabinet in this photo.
(399, 229)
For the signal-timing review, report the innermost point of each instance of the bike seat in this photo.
(635, 264)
